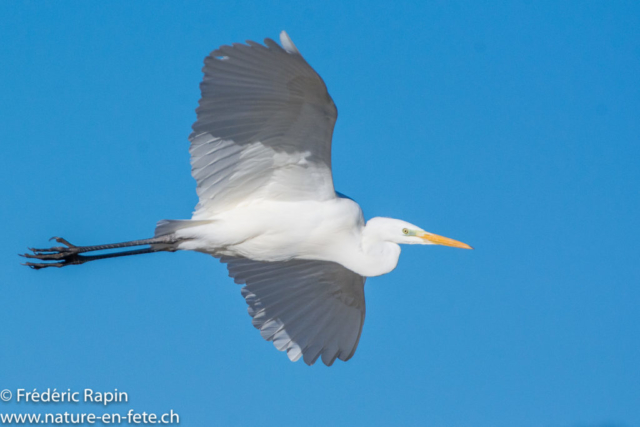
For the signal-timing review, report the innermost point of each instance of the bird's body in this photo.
(332, 230)
(261, 157)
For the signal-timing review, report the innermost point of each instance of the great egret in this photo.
(261, 156)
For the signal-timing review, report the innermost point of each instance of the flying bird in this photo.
(261, 157)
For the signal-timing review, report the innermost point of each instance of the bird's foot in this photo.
(64, 255)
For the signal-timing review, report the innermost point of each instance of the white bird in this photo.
(261, 157)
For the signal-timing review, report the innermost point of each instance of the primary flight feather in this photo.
(261, 157)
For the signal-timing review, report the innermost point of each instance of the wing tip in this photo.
(287, 43)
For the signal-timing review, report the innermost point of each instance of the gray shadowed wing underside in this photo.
(264, 128)
(307, 308)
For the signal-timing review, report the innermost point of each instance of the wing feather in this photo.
(264, 128)
(309, 309)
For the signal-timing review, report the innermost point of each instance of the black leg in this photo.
(70, 254)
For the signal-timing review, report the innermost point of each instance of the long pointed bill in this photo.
(445, 241)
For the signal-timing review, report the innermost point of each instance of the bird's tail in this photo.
(171, 228)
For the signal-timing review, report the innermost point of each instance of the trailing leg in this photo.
(69, 254)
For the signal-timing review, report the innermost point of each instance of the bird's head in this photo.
(402, 232)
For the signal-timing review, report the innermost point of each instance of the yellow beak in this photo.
(445, 241)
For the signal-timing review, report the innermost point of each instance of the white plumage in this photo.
(261, 157)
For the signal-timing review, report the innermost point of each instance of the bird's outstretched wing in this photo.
(264, 128)
(307, 308)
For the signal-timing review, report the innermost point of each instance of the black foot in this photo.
(64, 255)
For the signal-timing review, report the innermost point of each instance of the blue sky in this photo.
(512, 126)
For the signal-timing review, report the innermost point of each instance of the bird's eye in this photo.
(405, 231)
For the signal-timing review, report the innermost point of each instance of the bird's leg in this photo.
(69, 254)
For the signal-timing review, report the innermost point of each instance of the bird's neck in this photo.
(377, 257)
